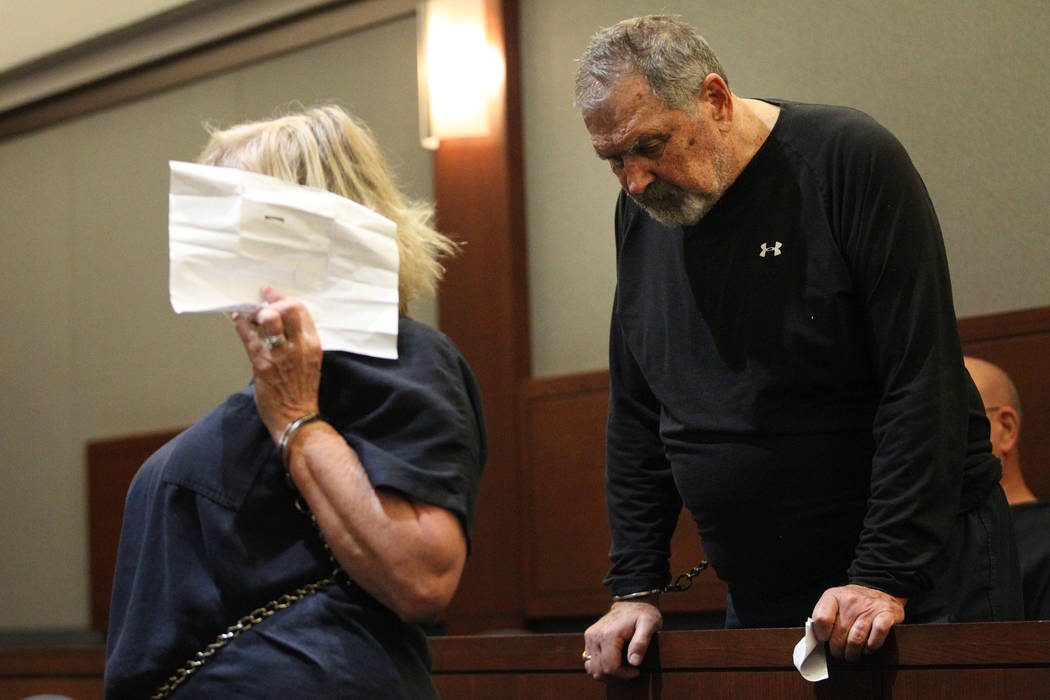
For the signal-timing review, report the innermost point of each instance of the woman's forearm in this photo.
(407, 554)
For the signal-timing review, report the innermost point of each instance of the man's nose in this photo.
(636, 175)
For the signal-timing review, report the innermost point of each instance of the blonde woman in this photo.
(341, 485)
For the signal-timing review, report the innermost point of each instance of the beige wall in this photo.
(28, 30)
(963, 85)
(91, 348)
(41, 56)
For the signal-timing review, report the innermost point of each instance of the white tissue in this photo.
(809, 656)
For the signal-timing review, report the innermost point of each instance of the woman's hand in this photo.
(407, 554)
(285, 352)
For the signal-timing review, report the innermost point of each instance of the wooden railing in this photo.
(924, 662)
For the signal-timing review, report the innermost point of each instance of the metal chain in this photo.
(685, 581)
(242, 625)
(255, 616)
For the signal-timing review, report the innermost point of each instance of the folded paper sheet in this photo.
(809, 656)
(231, 232)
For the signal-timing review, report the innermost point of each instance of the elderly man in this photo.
(784, 360)
(1031, 516)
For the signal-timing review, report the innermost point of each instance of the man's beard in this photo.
(673, 206)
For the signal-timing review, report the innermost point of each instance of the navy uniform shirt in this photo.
(211, 532)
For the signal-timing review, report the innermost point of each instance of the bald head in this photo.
(1003, 406)
(994, 384)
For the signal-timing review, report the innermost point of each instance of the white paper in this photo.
(231, 232)
(809, 656)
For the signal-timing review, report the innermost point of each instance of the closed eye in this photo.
(651, 148)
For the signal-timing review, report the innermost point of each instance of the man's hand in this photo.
(855, 619)
(631, 622)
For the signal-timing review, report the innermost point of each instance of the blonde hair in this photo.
(327, 148)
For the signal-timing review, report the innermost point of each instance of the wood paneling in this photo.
(111, 466)
(75, 671)
(483, 307)
(567, 534)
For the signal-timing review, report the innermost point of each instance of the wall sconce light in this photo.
(459, 70)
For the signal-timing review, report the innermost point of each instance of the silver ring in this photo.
(273, 341)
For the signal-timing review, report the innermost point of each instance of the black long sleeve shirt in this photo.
(790, 369)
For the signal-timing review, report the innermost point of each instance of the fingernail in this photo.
(635, 659)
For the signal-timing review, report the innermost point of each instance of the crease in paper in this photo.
(230, 232)
(809, 656)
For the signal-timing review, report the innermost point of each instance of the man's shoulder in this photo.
(807, 115)
(841, 143)
(821, 127)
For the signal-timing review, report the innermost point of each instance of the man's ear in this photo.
(1009, 427)
(715, 94)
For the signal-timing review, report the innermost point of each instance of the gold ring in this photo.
(586, 655)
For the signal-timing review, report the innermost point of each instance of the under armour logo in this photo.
(775, 248)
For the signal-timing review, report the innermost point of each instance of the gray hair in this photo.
(663, 49)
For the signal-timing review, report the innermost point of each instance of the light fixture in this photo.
(459, 70)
